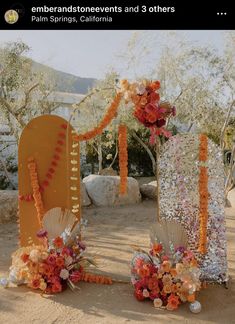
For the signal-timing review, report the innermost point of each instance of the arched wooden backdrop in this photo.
(47, 139)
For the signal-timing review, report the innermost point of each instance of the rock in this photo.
(108, 172)
(85, 198)
(104, 190)
(8, 205)
(149, 190)
(231, 198)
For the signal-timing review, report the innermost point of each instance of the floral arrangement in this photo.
(148, 109)
(166, 280)
(53, 265)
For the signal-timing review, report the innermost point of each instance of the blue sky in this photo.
(91, 53)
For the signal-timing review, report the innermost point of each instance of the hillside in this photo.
(66, 82)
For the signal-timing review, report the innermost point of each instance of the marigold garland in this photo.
(36, 189)
(123, 158)
(203, 193)
(93, 278)
(109, 116)
(52, 166)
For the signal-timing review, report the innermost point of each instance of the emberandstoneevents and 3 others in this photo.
(90, 10)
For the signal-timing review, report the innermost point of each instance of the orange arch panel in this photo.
(39, 140)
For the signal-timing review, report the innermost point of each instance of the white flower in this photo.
(145, 293)
(157, 302)
(64, 274)
(34, 255)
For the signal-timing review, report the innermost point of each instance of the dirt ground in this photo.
(109, 235)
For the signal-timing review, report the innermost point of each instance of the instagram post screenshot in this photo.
(117, 162)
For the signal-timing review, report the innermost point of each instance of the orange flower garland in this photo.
(109, 116)
(123, 158)
(99, 279)
(203, 193)
(36, 189)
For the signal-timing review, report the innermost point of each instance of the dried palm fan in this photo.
(57, 221)
(169, 234)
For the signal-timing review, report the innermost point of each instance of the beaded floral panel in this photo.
(180, 199)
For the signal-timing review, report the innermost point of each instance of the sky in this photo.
(92, 53)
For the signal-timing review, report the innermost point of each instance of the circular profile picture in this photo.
(11, 16)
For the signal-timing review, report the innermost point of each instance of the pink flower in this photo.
(165, 258)
(42, 233)
(139, 262)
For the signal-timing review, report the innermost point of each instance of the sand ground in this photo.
(109, 235)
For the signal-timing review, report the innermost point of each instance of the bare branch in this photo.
(11, 111)
(27, 96)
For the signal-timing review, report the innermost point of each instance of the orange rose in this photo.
(173, 302)
(153, 284)
(167, 289)
(58, 242)
(60, 262)
(143, 272)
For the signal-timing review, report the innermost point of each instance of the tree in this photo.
(23, 92)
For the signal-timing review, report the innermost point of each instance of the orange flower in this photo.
(173, 272)
(167, 289)
(194, 263)
(58, 242)
(35, 186)
(35, 283)
(110, 114)
(153, 284)
(25, 257)
(174, 288)
(60, 262)
(203, 195)
(191, 298)
(45, 269)
(173, 302)
(143, 272)
(167, 279)
(166, 265)
(123, 158)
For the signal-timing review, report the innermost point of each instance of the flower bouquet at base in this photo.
(168, 274)
(58, 261)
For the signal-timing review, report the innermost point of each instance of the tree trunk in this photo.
(100, 155)
(139, 140)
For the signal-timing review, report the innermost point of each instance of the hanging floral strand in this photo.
(203, 193)
(108, 117)
(123, 158)
(36, 189)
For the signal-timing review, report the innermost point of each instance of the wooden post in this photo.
(157, 148)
